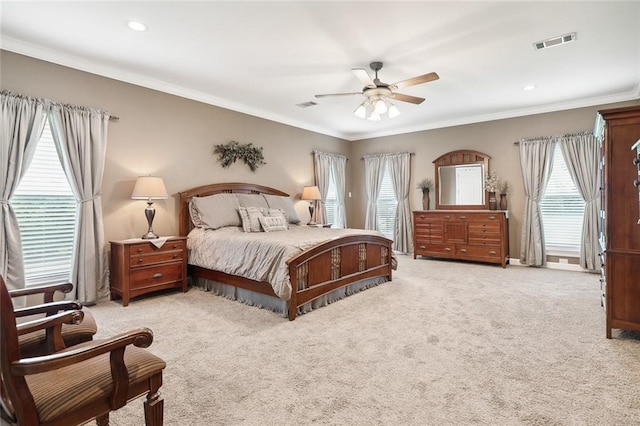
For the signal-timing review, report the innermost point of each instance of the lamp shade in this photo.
(149, 188)
(310, 193)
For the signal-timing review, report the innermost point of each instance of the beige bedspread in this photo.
(259, 256)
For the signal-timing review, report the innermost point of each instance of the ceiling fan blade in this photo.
(407, 98)
(364, 77)
(327, 95)
(415, 80)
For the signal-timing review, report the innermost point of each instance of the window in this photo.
(331, 203)
(562, 209)
(387, 205)
(46, 212)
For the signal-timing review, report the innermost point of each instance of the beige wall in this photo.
(495, 138)
(173, 137)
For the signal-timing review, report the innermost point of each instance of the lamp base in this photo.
(149, 236)
(149, 212)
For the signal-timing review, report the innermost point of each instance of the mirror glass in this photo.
(462, 184)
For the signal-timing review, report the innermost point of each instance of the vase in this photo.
(425, 200)
(493, 203)
(503, 201)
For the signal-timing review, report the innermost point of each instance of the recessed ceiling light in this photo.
(136, 26)
(529, 87)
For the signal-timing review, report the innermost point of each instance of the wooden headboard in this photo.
(217, 188)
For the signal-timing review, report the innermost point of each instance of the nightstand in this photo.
(139, 267)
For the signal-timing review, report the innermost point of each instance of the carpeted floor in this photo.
(445, 343)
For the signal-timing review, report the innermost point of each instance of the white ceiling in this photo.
(263, 58)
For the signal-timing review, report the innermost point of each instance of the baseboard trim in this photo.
(552, 265)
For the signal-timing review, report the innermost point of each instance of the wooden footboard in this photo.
(334, 264)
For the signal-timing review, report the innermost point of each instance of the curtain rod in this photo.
(544, 138)
(411, 153)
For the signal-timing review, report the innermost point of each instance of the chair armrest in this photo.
(68, 317)
(48, 308)
(47, 290)
(140, 337)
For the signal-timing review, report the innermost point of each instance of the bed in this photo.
(339, 265)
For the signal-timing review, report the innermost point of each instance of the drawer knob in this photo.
(157, 275)
(140, 260)
(463, 250)
(140, 250)
(175, 246)
(175, 256)
(423, 247)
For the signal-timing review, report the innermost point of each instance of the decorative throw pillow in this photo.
(216, 211)
(273, 223)
(252, 200)
(251, 218)
(195, 216)
(285, 204)
(276, 213)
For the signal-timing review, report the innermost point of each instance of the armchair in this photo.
(41, 342)
(80, 383)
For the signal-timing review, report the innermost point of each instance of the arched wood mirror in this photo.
(460, 180)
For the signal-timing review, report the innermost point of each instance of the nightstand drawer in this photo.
(144, 277)
(146, 248)
(150, 259)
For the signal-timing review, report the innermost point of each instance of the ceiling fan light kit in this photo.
(377, 93)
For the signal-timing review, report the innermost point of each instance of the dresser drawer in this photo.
(150, 259)
(440, 249)
(475, 251)
(483, 227)
(488, 241)
(147, 248)
(144, 277)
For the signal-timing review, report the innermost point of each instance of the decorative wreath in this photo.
(232, 151)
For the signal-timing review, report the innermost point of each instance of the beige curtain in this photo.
(400, 172)
(581, 155)
(327, 164)
(536, 161)
(21, 123)
(373, 174)
(80, 135)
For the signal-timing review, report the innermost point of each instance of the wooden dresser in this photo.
(618, 130)
(480, 235)
(139, 267)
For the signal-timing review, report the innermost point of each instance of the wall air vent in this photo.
(555, 41)
(307, 104)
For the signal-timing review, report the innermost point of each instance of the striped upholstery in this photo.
(32, 344)
(70, 388)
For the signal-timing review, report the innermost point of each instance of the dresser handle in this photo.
(447, 217)
(492, 217)
(463, 250)
(423, 247)
(157, 275)
(421, 216)
(447, 249)
(463, 217)
(492, 252)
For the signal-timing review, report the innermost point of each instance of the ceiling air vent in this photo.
(307, 104)
(555, 41)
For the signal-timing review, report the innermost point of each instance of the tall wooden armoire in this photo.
(619, 130)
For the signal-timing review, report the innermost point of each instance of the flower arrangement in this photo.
(491, 181)
(232, 151)
(503, 187)
(425, 185)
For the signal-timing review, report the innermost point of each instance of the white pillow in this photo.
(251, 218)
(273, 223)
(215, 211)
(285, 204)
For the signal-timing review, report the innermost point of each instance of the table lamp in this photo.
(149, 188)
(311, 193)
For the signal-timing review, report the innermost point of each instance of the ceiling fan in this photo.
(379, 94)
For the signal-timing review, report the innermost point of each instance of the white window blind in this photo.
(387, 206)
(46, 212)
(331, 203)
(562, 209)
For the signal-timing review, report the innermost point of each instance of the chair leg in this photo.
(154, 409)
(103, 420)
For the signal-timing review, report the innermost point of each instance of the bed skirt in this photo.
(276, 304)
